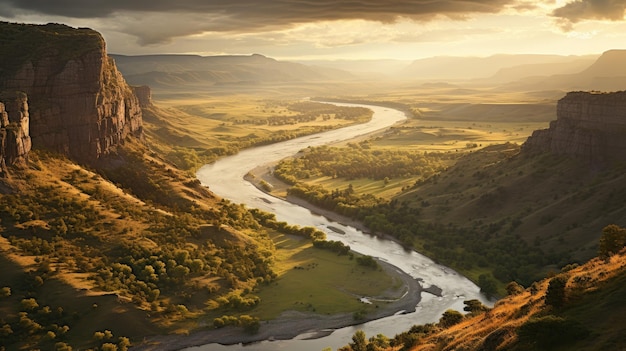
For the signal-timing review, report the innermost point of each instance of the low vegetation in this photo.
(190, 133)
(570, 314)
(101, 259)
(458, 207)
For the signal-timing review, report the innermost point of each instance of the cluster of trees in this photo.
(269, 220)
(37, 325)
(345, 202)
(332, 245)
(189, 158)
(248, 323)
(158, 259)
(367, 261)
(308, 111)
(361, 161)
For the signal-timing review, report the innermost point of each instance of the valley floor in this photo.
(290, 324)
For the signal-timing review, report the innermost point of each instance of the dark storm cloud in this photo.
(247, 15)
(580, 10)
(282, 11)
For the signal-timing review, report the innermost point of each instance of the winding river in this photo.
(225, 178)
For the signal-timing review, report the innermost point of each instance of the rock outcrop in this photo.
(80, 105)
(15, 141)
(144, 94)
(590, 126)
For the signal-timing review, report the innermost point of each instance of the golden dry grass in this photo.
(511, 312)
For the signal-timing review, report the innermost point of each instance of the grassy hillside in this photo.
(584, 314)
(192, 132)
(462, 193)
(133, 246)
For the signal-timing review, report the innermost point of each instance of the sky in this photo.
(339, 29)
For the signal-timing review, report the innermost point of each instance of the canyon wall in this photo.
(590, 126)
(80, 105)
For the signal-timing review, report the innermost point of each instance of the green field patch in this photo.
(315, 280)
(379, 188)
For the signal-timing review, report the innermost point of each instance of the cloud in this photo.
(158, 21)
(581, 10)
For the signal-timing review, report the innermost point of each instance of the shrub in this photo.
(551, 331)
(450, 318)
(555, 295)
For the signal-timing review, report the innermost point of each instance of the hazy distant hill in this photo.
(174, 70)
(363, 68)
(460, 68)
(569, 65)
(607, 73)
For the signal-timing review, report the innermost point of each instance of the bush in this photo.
(513, 288)
(487, 285)
(450, 318)
(556, 295)
(550, 331)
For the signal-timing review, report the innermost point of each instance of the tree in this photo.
(555, 295)
(378, 343)
(450, 318)
(29, 304)
(550, 331)
(513, 288)
(359, 342)
(613, 240)
(487, 285)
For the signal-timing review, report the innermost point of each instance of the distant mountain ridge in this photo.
(607, 73)
(169, 70)
(464, 68)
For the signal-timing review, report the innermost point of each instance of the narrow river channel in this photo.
(225, 178)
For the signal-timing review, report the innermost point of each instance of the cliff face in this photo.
(15, 141)
(590, 126)
(80, 104)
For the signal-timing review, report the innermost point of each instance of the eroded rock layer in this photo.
(80, 104)
(590, 126)
(15, 142)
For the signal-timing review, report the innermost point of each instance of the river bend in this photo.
(225, 178)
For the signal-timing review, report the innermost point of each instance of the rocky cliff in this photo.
(590, 126)
(15, 141)
(144, 95)
(80, 105)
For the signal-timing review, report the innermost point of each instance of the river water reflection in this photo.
(225, 178)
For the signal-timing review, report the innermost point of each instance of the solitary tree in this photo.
(613, 239)
(555, 295)
(450, 318)
(359, 342)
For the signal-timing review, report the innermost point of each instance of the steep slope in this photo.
(121, 250)
(80, 105)
(523, 211)
(589, 126)
(591, 316)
